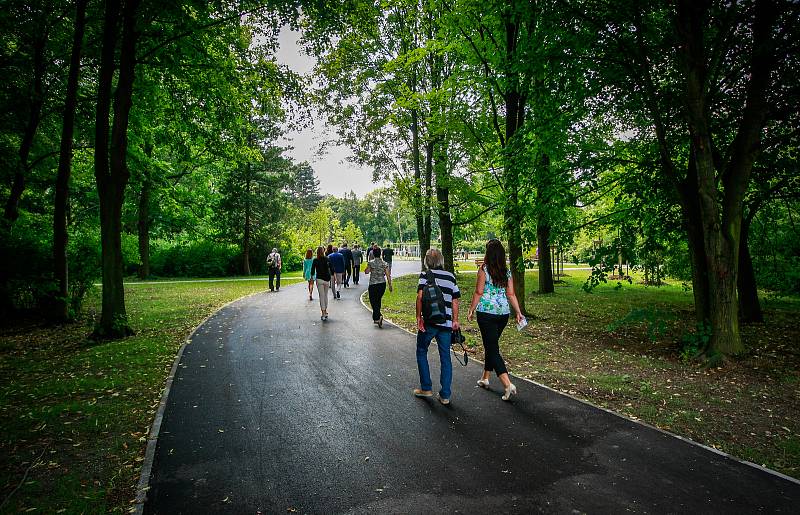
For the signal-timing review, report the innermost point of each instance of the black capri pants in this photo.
(376, 292)
(491, 327)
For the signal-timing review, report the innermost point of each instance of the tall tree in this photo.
(111, 170)
(60, 235)
(704, 74)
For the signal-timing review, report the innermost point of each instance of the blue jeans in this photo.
(443, 337)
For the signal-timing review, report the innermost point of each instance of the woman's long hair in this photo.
(494, 262)
(320, 252)
(329, 250)
(309, 254)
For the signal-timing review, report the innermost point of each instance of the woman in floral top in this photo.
(493, 298)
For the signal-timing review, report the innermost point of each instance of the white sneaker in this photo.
(509, 391)
(483, 383)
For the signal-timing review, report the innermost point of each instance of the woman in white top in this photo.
(379, 277)
(492, 300)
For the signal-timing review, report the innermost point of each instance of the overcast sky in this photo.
(336, 176)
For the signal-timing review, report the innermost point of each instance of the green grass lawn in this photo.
(290, 276)
(620, 347)
(75, 413)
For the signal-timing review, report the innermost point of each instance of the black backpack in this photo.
(433, 306)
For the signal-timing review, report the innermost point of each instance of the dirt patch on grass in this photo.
(749, 408)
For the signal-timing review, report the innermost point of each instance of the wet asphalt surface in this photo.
(274, 411)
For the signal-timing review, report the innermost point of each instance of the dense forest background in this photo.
(140, 138)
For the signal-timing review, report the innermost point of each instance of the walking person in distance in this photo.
(358, 257)
(322, 270)
(440, 327)
(387, 254)
(337, 263)
(274, 266)
(348, 263)
(492, 301)
(379, 277)
(307, 275)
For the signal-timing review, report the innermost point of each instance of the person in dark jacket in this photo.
(348, 263)
(337, 263)
(387, 255)
(358, 258)
(321, 268)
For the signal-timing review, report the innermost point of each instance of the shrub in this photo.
(26, 277)
(292, 262)
(195, 259)
(84, 268)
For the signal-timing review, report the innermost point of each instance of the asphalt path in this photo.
(273, 411)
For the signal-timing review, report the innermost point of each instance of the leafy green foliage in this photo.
(195, 259)
(655, 320)
(693, 343)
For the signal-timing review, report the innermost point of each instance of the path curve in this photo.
(273, 411)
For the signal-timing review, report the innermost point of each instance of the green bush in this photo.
(780, 274)
(292, 262)
(26, 267)
(130, 252)
(84, 268)
(195, 259)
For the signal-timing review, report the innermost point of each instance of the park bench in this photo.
(479, 262)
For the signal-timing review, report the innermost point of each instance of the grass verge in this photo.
(620, 348)
(75, 413)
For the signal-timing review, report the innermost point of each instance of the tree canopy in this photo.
(144, 138)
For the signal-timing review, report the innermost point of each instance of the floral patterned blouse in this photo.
(494, 298)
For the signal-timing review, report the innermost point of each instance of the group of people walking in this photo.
(491, 304)
(335, 267)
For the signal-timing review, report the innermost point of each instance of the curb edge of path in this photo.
(622, 416)
(143, 486)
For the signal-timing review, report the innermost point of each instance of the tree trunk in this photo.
(427, 189)
(514, 120)
(545, 265)
(60, 234)
(721, 222)
(417, 202)
(143, 224)
(445, 222)
(543, 228)
(749, 306)
(246, 239)
(34, 117)
(111, 171)
(697, 255)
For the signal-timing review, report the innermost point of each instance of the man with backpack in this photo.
(437, 317)
(274, 265)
